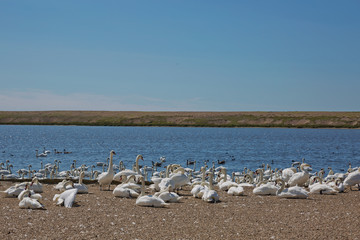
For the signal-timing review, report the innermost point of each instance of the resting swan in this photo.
(128, 172)
(127, 189)
(167, 181)
(210, 195)
(26, 201)
(29, 193)
(265, 188)
(82, 188)
(148, 200)
(168, 196)
(352, 179)
(224, 184)
(106, 178)
(13, 191)
(291, 192)
(300, 178)
(179, 178)
(66, 198)
(198, 187)
(236, 191)
(321, 188)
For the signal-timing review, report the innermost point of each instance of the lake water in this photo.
(239, 147)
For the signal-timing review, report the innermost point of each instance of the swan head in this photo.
(112, 152)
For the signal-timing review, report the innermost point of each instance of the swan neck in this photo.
(110, 169)
(211, 185)
(167, 171)
(142, 187)
(137, 164)
(282, 186)
(261, 176)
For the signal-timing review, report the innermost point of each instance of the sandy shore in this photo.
(100, 215)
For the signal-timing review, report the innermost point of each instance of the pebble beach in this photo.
(100, 215)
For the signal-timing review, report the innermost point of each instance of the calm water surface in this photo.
(240, 147)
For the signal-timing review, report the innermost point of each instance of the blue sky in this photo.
(180, 55)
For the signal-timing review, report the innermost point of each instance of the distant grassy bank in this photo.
(185, 119)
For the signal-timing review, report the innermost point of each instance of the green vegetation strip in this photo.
(184, 119)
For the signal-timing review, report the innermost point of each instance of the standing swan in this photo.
(106, 178)
(148, 200)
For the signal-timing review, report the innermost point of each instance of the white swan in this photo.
(60, 185)
(29, 193)
(129, 182)
(224, 184)
(321, 188)
(128, 172)
(236, 191)
(66, 198)
(197, 188)
(167, 181)
(26, 201)
(288, 172)
(249, 182)
(148, 200)
(352, 179)
(41, 154)
(291, 192)
(168, 196)
(210, 195)
(265, 188)
(179, 178)
(13, 191)
(106, 178)
(127, 189)
(82, 188)
(300, 178)
(36, 186)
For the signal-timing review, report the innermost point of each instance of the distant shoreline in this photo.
(184, 119)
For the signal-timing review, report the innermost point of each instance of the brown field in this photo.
(185, 119)
(100, 215)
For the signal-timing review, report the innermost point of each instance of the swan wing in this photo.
(69, 197)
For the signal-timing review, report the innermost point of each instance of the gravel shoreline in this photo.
(100, 215)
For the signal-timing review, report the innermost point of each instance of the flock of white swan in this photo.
(292, 182)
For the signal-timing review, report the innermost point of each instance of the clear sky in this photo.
(180, 55)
